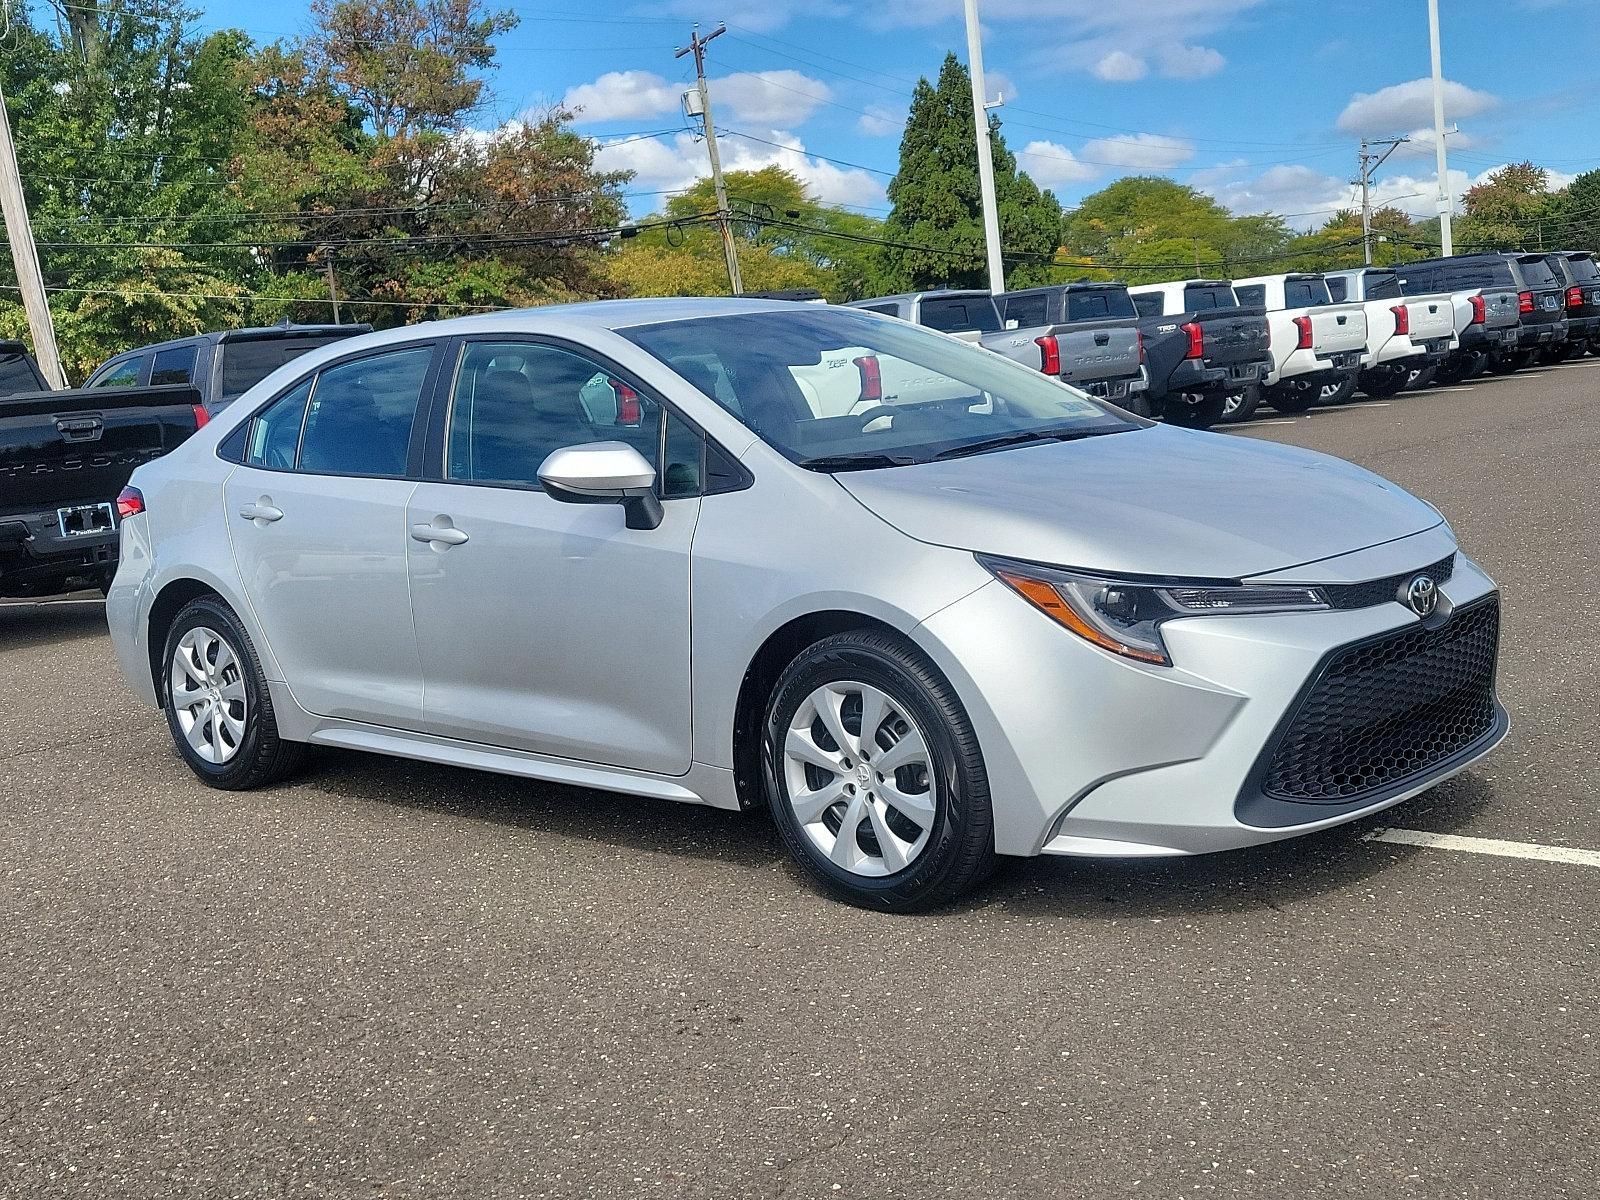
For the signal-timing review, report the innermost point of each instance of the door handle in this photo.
(444, 535)
(262, 512)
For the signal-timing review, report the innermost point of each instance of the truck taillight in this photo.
(629, 410)
(201, 416)
(1402, 318)
(1574, 297)
(130, 502)
(1197, 340)
(1049, 354)
(1524, 302)
(1139, 334)
(1480, 310)
(871, 377)
(1303, 324)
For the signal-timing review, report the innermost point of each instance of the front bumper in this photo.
(1090, 754)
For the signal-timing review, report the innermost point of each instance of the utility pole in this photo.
(1370, 163)
(980, 118)
(333, 287)
(25, 255)
(1446, 201)
(697, 47)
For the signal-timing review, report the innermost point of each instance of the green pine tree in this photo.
(936, 202)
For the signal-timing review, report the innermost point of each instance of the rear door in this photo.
(317, 517)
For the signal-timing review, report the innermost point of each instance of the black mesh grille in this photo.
(1383, 711)
(1381, 591)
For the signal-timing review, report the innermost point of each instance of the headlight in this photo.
(1125, 616)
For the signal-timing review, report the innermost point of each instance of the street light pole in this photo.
(1446, 201)
(980, 118)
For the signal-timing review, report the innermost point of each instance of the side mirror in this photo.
(604, 473)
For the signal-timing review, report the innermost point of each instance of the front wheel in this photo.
(1191, 410)
(216, 700)
(874, 775)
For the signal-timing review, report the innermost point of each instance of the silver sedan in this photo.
(923, 605)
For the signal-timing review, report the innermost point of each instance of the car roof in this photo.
(251, 333)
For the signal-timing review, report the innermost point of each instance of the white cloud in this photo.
(878, 121)
(1119, 66)
(1180, 61)
(764, 97)
(1410, 104)
(1419, 144)
(1053, 165)
(1138, 151)
(676, 162)
(622, 96)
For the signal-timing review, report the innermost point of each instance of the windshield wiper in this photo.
(1020, 437)
(853, 462)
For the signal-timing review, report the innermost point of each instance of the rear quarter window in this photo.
(1198, 297)
(1385, 286)
(1102, 302)
(957, 316)
(1305, 293)
(1149, 304)
(1253, 296)
(1028, 311)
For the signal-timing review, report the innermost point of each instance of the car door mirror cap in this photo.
(604, 473)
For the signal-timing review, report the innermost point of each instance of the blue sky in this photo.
(1259, 102)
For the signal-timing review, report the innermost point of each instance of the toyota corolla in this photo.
(921, 604)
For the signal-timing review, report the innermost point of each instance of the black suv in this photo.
(1541, 300)
(221, 366)
(1579, 276)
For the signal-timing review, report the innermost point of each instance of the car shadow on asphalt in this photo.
(23, 624)
(1277, 875)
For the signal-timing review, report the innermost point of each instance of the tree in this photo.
(1576, 224)
(1119, 223)
(1509, 210)
(937, 210)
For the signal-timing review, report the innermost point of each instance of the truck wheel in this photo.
(1241, 405)
(1382, 382)
(1422, 378)
(1191, 410)
(1338, 393)
(1138, 404)
(1455, 368)
(1291, 397)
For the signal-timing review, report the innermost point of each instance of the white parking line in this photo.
(1473, 845)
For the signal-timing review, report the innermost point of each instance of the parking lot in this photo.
(391, 979)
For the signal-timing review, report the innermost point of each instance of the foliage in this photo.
(1576, 213)
(1123, 224)
(1508, 211)
(937, 212)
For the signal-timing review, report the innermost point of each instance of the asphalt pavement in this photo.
(389, 979)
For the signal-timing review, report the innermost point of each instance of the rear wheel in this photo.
(216, 700)
(1241, 405)
(1455, 368)
(1422, 377)
(874, 775)
(1338, 393)
(1138, 404)
(1192, 410)
(1291, 397)
(1382, 382)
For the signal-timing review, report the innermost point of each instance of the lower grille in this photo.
(1382, 712)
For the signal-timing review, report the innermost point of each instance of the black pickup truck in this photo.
(1205, 353)
(64, 457)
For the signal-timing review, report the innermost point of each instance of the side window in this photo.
(886, 310)
(1339, 289)
(124, 374)
(361, 412)
(1254, 296)
(173, 366)
(1149, 304)
(275, 431)
(1027, 311)
(683, 470)
(515, 403)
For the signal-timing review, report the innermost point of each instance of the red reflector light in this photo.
(1524, 302)
(1402, 318)
(201, 416)
(1049, 354)
(1303, 324)
(1574, 297)
(629, 410)
(871, 377)
(1197, 340)
(1480, 310)
(130, 503)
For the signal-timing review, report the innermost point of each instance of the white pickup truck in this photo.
(1405, 334)
(1316, 344)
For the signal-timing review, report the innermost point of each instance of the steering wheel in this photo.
(876, 412)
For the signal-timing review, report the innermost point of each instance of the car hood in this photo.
(1155, 501)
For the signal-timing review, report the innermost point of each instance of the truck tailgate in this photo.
(1094, 350)
(1339, 327)
(59, 448)
(1431, 317)
(1233, 335)
(1500, 309)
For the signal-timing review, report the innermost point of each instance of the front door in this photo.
(316, 513)
(547, 626)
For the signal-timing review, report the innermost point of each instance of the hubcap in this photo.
(208, 696)
(860, 779)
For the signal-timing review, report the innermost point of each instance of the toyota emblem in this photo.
(1422, 595)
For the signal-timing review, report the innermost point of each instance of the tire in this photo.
(1288, 398)
(1549, 356)
(1422, 378)
(1138, 404)
(1382, 382)
(1200, 412)
(1240, 406)
(1338, 393)
(1480, 365)
(237, 749)
(1505, 362)
(939, 839)
(1453, 370)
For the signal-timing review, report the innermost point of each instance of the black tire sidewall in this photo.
(962, 794)
(1201, 415)
(220, 619)
(1287, 399)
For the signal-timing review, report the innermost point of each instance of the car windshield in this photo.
(839, 389)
